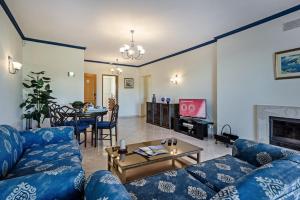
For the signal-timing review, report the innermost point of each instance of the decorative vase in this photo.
(168, 100)
(163, 99)
(153, 98)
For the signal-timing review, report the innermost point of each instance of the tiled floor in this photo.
(135, 130)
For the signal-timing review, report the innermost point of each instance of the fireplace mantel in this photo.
(262, 114)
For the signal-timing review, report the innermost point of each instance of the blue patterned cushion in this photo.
(258, 154)
(277, 180)
(63, 182)
(175, 184)
(67, 163)
(103, 185)
(220, 172)
(43, 154)
(11, 148)
(44, 136)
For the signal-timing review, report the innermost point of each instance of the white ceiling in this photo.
(163, 27)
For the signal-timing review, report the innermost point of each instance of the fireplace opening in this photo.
(285, 132)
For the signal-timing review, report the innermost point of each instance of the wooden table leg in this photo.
(108, 163)
(198, 157)
(123, 176)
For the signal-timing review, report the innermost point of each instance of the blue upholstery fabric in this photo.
(41, 164)
(44, 136)
(103, 185)
(63, 182)
(258, 154)
(11, 148)
(81, 126)
(42, 154)
(220, 172)
(223, 178)
(89, 121)
(175, 184)
(277, 180)
(70, 162)
(105, 125)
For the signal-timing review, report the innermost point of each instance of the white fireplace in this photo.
(263, 113)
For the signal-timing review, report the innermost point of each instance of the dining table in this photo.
(96, 114)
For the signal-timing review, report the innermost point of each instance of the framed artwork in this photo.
(128, 83)
(287, 64)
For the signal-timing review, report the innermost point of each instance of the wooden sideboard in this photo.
(161, 114)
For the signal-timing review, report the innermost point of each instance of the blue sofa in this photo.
(253, 171)
(40, 164)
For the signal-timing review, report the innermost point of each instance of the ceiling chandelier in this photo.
(132, 51)
(116, 70)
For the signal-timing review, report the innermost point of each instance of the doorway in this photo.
(109, 91)
(90, 88)
(146, 94)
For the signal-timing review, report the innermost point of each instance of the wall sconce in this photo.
(13, 66)
(175, 79)
(71, 74)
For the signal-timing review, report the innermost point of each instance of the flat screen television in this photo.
(193, 108)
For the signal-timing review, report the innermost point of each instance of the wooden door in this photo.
(90, 88)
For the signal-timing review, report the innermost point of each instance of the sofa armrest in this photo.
(103, 185)
(277, 180)
(258, 154)
(44, 136)
(60, 183)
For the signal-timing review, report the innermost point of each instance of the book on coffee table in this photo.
(151, 150)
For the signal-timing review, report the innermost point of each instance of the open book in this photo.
(151, 150)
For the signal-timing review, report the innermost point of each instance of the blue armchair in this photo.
(40, 164)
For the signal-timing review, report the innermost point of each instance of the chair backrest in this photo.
(114, 115)
(53, 114)
(66, 114)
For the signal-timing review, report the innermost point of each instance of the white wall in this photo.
(128, 98)
(57, 61)
(246, 77)
(10, 85)
(197, 70)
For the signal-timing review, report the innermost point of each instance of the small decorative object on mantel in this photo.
(153, 98)
(162, 99)
(128, 83)
(168, 100)
(287, 64)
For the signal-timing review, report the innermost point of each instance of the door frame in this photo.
(117, 87)
(96, 91)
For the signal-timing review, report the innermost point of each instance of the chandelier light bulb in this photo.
(126, 47)
(122, 49)
(142, 51)
(131, 52)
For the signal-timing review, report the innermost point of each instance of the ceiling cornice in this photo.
(14, 22)
(109, 63)
(216, 38)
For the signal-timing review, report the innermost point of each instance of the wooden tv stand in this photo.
(199, 130)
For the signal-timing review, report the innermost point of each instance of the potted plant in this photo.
(77, 105)
(39, 97)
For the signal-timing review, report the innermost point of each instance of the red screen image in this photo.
(192, 108)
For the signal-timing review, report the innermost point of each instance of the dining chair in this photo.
(109, 125)
(53, 114)
(69, 117)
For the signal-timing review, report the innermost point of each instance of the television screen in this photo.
(192, 108)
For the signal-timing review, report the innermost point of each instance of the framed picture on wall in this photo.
(287, 64)
(128, 83)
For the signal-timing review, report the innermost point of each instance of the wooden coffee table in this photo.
(120, 163)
